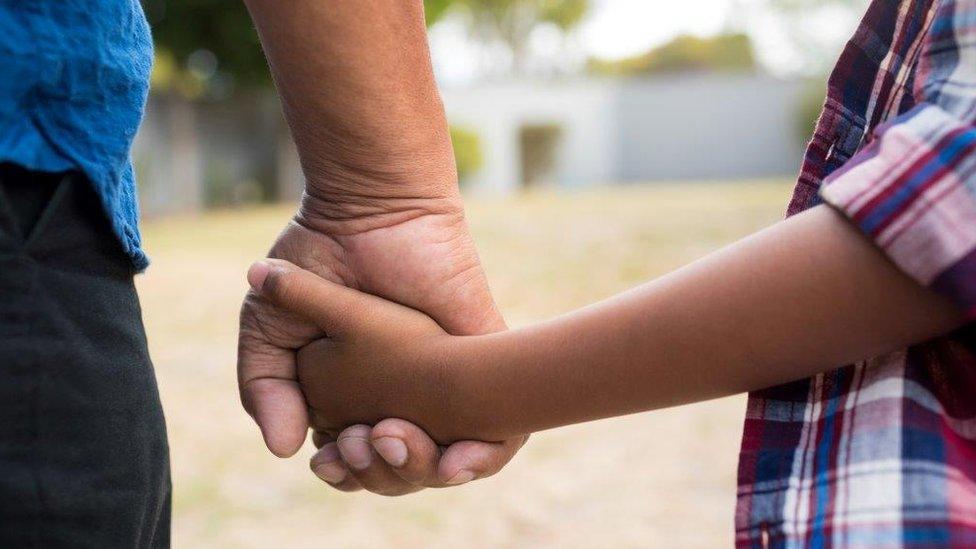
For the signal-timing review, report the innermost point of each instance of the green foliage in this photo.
(435, 10)
(724, 52)
(511, 22)
(182, 28)
(809, 107)
(467, 151)
(814, 50)
(565, 14)
(210, 46)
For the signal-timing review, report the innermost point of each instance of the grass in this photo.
(660, 479)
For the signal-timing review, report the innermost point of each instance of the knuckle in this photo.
(277, 284)
(347, 486)
(392, 489)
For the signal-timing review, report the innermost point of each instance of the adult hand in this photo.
(415, 251)
(382, 214)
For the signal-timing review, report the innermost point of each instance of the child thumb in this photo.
(332, 306)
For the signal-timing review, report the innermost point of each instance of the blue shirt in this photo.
(74, 78)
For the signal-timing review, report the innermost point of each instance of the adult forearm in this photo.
(805, 296)
(359, 95)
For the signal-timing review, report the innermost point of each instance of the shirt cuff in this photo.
(912, 191)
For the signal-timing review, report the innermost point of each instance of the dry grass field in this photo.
(663, 479)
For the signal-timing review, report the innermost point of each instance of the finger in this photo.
(277, 406)
(321, 438)
(328, 466)
(366, 466)
(269, 388)
(323, 302)
(408, 451)
(469, 460)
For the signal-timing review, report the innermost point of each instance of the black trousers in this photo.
(83, 455)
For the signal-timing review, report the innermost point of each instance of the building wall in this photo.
(693, 127)
(708, 127)
(190, 155)
(584, 109)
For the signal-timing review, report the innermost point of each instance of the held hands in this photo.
(381, 213)
(425, 261)
(379, 359)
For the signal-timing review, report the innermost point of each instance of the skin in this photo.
(761, 312)
(380, 213)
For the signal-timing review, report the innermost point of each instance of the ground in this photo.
(661, 479)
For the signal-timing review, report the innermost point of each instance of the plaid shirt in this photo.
(882, 453)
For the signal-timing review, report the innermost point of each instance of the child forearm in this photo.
(804, 296)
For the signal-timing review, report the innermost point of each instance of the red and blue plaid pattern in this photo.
(882, 453)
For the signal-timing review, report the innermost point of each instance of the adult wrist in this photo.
(343, 209)
(381, 195)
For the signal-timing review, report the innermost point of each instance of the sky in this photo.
(622, 28)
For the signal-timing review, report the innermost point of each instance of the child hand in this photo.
(380, 359)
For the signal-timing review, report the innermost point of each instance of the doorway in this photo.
(539, 150)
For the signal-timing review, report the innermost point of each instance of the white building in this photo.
(580, 132)
(570, 132)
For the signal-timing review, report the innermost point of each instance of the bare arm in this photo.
(804, 296)
(359, 94)
(381, 213)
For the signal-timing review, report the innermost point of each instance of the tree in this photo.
(511, 22)
(803, 24)
(208, 44)
(209, 49)
(435, 10)
(725, 52)
(468, 153)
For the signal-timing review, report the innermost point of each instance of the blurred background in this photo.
(600, 143)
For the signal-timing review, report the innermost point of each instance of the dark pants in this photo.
(83, 455)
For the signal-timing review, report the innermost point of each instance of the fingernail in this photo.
(393, 450)
(356, 452)
(327, 464)
(332, 472)
(257, 274)
(463, 476)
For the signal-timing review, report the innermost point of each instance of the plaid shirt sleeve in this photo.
(912, 188)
